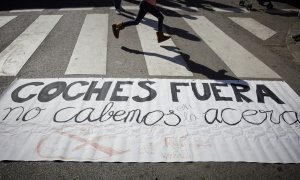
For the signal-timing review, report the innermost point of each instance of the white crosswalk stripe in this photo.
(127, 8)
(291, 10)
(230, 10)
(195, 9)
(89, 55)
(238, 59)
(259, 30)
(226, 9)
(5, 19)
(77, 9)
(26, 10)
(160, 61)
(19, 51)
(182, 8)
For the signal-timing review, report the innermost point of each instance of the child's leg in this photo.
(160, 35)
(144, 7)
(117, 4)
(155, 12)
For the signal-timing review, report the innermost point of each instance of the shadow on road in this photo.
(201, 4)
(171, 30)
(279, 12)
(191, 64)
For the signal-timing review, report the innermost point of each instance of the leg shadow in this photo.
(201, 69)
(172, 30)
(191, 65)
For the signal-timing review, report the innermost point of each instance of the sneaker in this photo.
(116, 31)
(118, 11)
(122, 9)
(161, 37)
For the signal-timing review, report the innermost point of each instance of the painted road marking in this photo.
(291, 10)
(242, 63)
(76, 9)
(127, 7)
(259, 30)
(20, 50)
(26, 10)
(227, 9)
(284, 11)
(5, 19)
(162, 59)
(231, 10)
(182, 8)
(90, 52)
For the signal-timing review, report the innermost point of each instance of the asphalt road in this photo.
(51, 59)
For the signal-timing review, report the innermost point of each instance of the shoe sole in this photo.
(163, 40)
(115, 31)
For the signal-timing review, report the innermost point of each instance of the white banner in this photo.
(149, 120)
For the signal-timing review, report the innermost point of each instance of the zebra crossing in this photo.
(6, 19)
(26, 10)
(92, 41)
(241, 62)
(226, 9)
(170, 63)
(256, 28)
(89, 55)
(77, 9)
(19, 51)
(181, 8)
